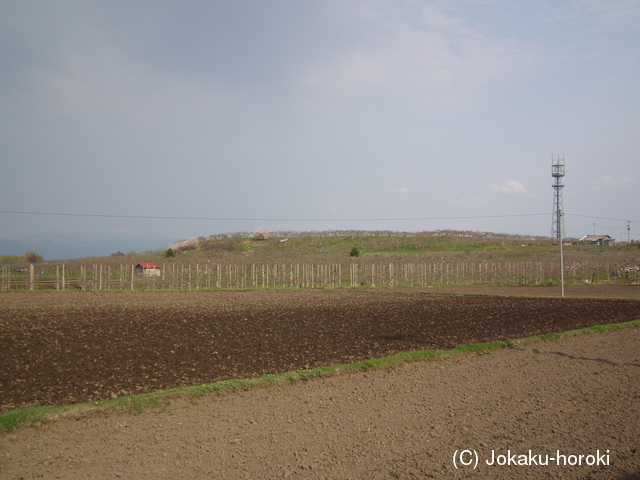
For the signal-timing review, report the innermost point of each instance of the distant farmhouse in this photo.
(147, 269)
(597, 240)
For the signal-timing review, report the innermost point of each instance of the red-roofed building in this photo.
(147, 269)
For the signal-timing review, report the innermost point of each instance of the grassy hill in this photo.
(337, 246)
(330, 259)
(371, 246)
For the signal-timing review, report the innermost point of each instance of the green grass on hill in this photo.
(340, 245)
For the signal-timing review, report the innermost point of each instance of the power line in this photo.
(602, 218)
(158, 217)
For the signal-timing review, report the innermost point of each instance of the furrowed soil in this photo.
(578, 395)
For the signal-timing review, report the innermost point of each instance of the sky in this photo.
(195, 118)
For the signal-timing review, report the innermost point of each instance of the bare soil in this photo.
(578, 395)
(70, 347)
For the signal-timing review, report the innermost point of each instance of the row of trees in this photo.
(479, 237)
(28, 257)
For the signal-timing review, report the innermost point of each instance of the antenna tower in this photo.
(557, 228)
(557, 223)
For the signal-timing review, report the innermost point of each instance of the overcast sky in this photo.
(318, 115)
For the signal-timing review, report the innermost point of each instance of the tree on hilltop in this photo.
(262, 234)
(32, 257)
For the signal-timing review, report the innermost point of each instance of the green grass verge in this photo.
(161, 398)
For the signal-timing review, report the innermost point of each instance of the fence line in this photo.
(198, 276)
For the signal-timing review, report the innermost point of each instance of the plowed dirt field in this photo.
(579, 396)
(60, 348)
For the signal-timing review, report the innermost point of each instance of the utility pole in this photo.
(628, 233)
(557, 227)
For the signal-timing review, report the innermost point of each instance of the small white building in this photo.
(147, 270)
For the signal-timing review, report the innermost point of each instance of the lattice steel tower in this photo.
(557, 224)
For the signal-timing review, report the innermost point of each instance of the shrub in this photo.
(32, 257)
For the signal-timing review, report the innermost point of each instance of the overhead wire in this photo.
(602, 218)
(171, 217)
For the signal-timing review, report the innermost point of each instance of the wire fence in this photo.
(196, 276)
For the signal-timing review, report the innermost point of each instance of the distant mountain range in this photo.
(66, 245)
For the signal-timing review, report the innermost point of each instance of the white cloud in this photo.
(611, 182)
(401, 190)
(437, 61)
(512, 187)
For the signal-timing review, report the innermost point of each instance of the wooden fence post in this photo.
(310, 275)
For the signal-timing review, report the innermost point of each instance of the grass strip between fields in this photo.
(161, 398)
